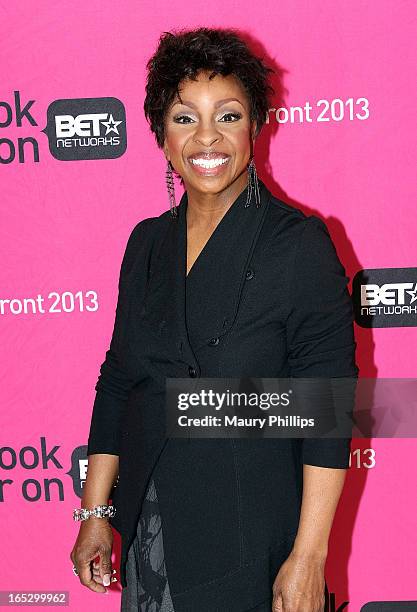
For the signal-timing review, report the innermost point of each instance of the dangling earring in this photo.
(171, 190)
(253, 185)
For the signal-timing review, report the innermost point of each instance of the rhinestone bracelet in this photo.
(103, 511)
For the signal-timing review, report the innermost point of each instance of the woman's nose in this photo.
(207, 141)
(206, 135)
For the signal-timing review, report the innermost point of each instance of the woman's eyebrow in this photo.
(216, 105)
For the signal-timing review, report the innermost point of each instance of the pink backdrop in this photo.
(64, 226)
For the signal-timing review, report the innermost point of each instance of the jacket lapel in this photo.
(215, 281)
(214, 284)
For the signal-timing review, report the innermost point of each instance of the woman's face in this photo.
(209, 136)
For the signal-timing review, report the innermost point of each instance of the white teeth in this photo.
(209, 163)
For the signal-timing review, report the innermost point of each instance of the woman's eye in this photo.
(177, 119)
(236, 115)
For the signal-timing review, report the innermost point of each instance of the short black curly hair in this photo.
(184, 53)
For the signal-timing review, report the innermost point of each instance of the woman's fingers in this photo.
(99, 579)
(98, 576)
(87, 579)
(96, 568)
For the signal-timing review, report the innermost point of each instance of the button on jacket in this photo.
(266, 297)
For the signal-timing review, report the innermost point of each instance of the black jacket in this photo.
(270, 290)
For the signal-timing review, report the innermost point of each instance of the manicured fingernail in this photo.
(106, 579)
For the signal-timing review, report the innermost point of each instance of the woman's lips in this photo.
(211, 165)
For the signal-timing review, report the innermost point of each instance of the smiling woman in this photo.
(230, 283)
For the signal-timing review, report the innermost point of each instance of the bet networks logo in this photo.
(86, 128)
(82, 128)
(385, 297)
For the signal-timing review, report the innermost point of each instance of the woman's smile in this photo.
(211, 164)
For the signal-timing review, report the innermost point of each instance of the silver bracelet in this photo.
(103, 511)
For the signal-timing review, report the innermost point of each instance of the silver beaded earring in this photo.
(171, 190)
(253, 185)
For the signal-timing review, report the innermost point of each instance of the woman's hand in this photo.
(299, 585)
(95, 539)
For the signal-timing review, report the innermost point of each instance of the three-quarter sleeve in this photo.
(320, 334)
(114, 383)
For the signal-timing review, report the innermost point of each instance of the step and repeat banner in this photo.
(76, 159)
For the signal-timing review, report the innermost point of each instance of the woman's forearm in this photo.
(101, 476)
(321, 492)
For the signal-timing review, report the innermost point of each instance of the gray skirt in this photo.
(147, 587)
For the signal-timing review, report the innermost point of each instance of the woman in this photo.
(231, 282)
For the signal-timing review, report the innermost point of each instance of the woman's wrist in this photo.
(306, 550)
(89, 502)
